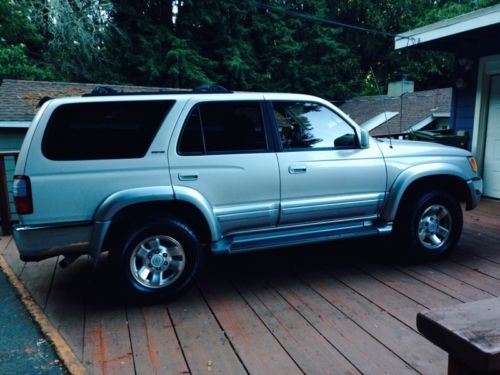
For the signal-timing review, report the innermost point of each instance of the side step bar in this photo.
(297, 236)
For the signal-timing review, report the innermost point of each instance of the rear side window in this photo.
(223, 127)
(89, 131)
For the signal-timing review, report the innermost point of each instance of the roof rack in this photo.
(203, 89)
(211, 88)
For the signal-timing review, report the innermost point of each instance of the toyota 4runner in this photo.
(161, 180)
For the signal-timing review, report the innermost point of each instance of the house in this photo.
(401, 112)
(474, 38)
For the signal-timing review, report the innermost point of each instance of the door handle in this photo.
(297, 169)
(188, 176)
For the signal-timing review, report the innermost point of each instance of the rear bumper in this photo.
(475, 190)
(45, 241)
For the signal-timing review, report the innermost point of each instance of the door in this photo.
(325, 175)
(223, 154)
(491, 167)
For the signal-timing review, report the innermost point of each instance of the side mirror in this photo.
(364, 140)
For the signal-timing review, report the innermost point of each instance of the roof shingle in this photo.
(414, 107)
(19, 98)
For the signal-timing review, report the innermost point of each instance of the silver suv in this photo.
(162, 180)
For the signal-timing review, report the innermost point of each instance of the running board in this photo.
(282, 237)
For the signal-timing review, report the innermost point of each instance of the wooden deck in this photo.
(337, 308)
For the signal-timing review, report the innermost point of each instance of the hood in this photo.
(417, 148)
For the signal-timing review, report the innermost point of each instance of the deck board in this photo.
(255, 344)
(447, 284)
(155, 346)
(11, 256)
(469, 276)
(205, 346)
(409, 345)
(66, 303)
(311, 351)
(38, 278)
(332, 308)
(388, 299)
(365, 352)
(424, 294)
(106, 347)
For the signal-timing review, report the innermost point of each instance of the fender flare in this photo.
(409, 176)
(117, 201)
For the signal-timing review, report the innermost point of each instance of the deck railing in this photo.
(7, 162)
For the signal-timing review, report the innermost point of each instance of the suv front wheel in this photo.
(157, 260)
(429, 225)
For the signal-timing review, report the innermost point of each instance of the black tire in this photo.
(420, 222)
(168, 239)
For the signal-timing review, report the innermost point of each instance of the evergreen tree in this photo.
(20, 45)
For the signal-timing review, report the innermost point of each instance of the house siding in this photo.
(11, 140)
(464, 101)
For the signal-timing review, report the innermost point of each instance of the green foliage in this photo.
(19, 44)
(184, 66)
(234, 43)
(14, 63)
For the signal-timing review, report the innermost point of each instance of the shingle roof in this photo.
(414, 107)
(18, 98)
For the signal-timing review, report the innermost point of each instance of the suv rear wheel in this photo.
(157, 260)
(429, 225)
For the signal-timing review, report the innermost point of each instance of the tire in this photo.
(429, 225)
(157, 260)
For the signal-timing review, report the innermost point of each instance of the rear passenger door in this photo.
(325, 174)
(223, 152)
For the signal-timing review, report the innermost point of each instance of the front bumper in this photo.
(475, 186)
(45, 241)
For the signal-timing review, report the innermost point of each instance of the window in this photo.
(110, 130)
(223, 127)
(307, 125)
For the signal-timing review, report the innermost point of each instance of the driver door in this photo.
(325, 174)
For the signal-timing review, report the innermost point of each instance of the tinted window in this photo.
(305, 125)
(191, 141)
(217, 127)
(86, 131)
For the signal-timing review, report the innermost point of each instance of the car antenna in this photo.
(384, 106)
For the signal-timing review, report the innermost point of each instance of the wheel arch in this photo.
(446, 178)
(120, 208)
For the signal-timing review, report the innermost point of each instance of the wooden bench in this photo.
(470, 333)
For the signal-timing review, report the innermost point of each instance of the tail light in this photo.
(22, 195)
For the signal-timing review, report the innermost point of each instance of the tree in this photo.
(429, 69)
(239, 44)
(75, 33)
(20, 45)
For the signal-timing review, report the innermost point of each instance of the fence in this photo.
(8, 160)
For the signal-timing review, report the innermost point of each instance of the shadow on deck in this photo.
(344, 307)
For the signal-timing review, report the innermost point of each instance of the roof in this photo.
(484, 20)
(378, 120)
(415, 107)
(19, 98)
